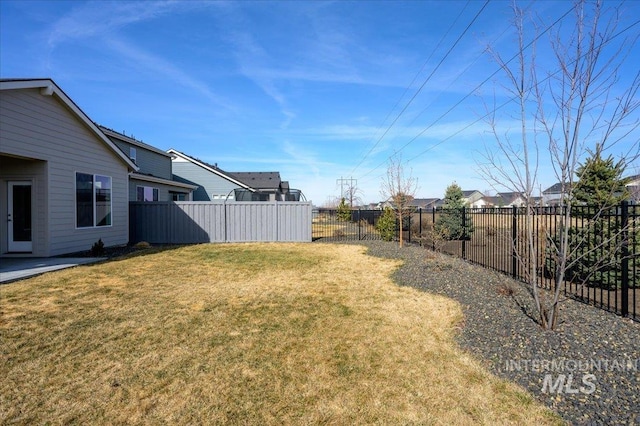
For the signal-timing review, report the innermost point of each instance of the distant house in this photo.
(213, 183)
(425, 203)
(473, 198)
(384, 204)
(505, 199)
(267, 186)
(153, 181)
(493, 201)
(65, 183)
(536, 201)
(552, 195)
(633, 185)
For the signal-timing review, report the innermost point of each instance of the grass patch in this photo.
(246, 333)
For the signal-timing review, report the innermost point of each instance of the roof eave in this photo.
(210, 169)
(163, 181)
(49, 88)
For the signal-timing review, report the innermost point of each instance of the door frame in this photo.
(17, 246)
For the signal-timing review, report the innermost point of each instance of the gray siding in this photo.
(204, 222)
(164, 191)
(41, 127)
(149, 162)
(209, 184)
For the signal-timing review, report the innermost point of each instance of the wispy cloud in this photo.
(348, 132)
(250, 56)
(303, 157)
(98, 17)
(158, 65)
(101, 22)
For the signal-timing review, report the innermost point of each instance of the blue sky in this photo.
(309, 89)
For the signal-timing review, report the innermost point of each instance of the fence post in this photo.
(464, 233)
(625, 258)
(420, 225)
(224, 221)
(359, 227)
(409, 223)
(514, 241)
(433, 223)
(276, 207)
(132, 223)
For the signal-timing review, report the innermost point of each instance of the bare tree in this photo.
(331, 202)
(352, 193)
(400, 189)
(572, 108)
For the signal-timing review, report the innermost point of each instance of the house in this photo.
(63, 184)
(505, 199)
(473, 198)
(553, 195)
(213, 183)
(495, 201)
(372, 206)
(154, 179)
(424, 203)
(633, 185)
(266, 185)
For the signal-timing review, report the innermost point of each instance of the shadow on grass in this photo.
(130, 252)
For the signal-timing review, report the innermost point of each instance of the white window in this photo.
(132, 154)
(146, 193)
(93, 200)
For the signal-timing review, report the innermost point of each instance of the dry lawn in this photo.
(249, 334)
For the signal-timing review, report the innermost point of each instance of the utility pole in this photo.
(350, 187)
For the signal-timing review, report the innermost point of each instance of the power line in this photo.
(350, 188)
(469, 94)
(471, 64)
(411, 84)
(629, 27)
(508, 101)
(423, 83)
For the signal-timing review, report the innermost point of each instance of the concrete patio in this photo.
(18, 268)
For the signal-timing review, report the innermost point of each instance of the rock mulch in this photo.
(587, 370)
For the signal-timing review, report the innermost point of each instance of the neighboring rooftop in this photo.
(259, 180)
(130, 139)
(424, 202)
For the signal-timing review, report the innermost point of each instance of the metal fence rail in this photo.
(605, 259)
(361, 225)
(188, 222)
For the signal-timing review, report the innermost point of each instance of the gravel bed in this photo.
(597, 350)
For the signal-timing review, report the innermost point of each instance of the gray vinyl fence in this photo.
(188, 222)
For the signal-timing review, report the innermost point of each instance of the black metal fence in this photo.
(603, 266)
(359, 225)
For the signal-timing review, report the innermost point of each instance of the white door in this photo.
(19, 217)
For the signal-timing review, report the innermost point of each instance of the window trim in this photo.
(93, 200)
(156, 191)
(177, 194)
